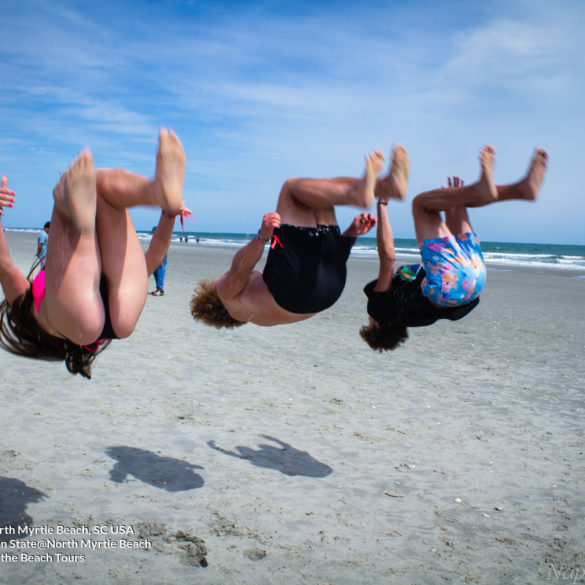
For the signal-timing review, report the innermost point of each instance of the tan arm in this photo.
(233, 282)
(386, 251)
(13, 282)
(161, 240)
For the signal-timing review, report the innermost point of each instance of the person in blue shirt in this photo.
(42, 244)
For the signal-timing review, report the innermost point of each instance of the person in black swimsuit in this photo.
(305, 270)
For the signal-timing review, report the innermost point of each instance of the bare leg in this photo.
(300, 199)
(123, 189)
(123, 261)
(528, 187)
(394, 185)
(481, 193)
(457, 220)
(428, 222)
(123, 266)
(72, 305)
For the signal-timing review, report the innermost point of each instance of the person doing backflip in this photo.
(452, 275)
(94, 285)
(305, 271)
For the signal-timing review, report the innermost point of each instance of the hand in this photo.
(6, 194)
(269, 223)
(361, 225)
(185, 211)
(455, 182)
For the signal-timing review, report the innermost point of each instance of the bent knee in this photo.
(286, 192)
(289, 185)
(418, 204)
(124, 319)
(83, 329)
(124, 327)
(422, 211)
(125, 310)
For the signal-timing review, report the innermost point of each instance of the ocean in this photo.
(503, 254)
(496, 254)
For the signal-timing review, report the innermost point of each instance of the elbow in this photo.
(388, 258)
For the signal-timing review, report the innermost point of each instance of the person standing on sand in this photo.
(452, 275)
(159, 275)
(305, 270)
(96, 278)
(42, 241)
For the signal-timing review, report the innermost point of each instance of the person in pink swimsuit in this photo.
(95, 281)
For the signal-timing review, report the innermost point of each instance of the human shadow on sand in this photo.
(285, 458)
(15, 496)
(165, 473)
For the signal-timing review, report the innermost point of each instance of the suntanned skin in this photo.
(302, 202)
(453, 201)
(92, 234)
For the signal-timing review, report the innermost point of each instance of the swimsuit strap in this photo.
(95, 346)
(38, 289)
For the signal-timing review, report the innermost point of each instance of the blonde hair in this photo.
(206, 306)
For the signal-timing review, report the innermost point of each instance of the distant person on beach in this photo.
(94, 286)
(159, 276)
(305, 270)
(452, 275)
(42, 244)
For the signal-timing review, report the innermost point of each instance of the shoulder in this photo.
(254, 303)
(233, 284)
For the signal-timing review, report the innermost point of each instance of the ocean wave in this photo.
(551, 256)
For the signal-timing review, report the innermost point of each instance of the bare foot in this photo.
(485, 187)
(394, 185)
(75, 193)
(170, 172)
(364, 192)
(530, 185)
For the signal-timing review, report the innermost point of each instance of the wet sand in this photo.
(296, 454)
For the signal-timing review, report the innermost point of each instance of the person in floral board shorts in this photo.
(448, 283)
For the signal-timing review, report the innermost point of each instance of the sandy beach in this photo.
(296, 454)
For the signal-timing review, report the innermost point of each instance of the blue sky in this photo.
(261, 91)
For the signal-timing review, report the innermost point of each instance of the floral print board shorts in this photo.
(455, 269)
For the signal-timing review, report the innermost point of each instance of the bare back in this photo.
(255, 304)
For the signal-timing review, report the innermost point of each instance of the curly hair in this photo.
(21, 334)
(383, 338)
(207, 307)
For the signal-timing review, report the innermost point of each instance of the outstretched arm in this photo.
(386, 251)
(161, 239)
(231, 284)
(12, 280)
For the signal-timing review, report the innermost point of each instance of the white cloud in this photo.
(257, 96)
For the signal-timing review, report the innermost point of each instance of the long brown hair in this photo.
(21, 334)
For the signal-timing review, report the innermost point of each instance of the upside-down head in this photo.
(21, 334)
(206, 306)
(383, 337)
